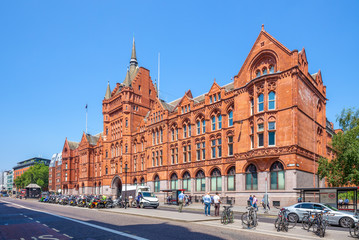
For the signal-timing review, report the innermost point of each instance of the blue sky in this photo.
(57, 56)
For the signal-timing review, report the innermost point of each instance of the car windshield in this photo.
(147, 194)
(331, 208)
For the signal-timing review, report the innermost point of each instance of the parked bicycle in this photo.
(285, 221)
(249, 218)
(317, 221)
(227, 215)
(354, 229)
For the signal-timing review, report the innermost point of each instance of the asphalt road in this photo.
(24, 219)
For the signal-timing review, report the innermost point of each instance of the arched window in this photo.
(219, 121)
(186, 182)
(271, 100)
(251, 178)
(142, 182)
(261, 103)
(83, 188)
(173, 134)
(99, 188)
(230, 118)
(174, 182)
(265, 71)
(271, 69)
(231, 179)
(277, 177)
(184, 131)
(200, 182)
(95, 188)
(198, 127)
(135, 181)
(157, 183)
(213, 123)
(216, 180)
(258, 73)
(203, 126)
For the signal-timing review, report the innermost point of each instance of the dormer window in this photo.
(215, 98)
(210, 99)
(219, 96)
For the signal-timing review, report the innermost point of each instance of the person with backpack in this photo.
(180, 201)
(207, 204)
(254, 203)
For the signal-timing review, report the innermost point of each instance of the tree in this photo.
(39, 174)
(344, 168)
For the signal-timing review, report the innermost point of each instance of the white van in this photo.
(148, 199)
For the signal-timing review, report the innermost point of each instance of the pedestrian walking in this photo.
(207, 204)
(217, 203)
(180, 201)
(265, 201)
(254, 203)
(138, 199)
(250, 199)
(300, 199)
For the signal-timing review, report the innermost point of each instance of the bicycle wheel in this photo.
(322, 229)
(316, 227)
(244, 219)
(277, 222)
(305, 223)
(354, 231)
(230, 216)
(292, 221)
(223, 217)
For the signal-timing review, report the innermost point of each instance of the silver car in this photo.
(336, 217)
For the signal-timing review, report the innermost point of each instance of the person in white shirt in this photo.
(217, 202)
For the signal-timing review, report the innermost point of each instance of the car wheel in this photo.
(346, 222)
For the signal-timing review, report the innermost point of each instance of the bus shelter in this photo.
(331, 196)
(171, 196)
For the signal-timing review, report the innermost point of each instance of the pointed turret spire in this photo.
(133, 61)
(127, 81)
(108, 91)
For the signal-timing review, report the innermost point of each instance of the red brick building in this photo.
(269, 123)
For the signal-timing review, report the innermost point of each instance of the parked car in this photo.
(336, 217)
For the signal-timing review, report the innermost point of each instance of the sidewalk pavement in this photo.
(263, 228)
(237, 209)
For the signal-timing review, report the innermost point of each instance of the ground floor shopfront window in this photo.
(251, 178)
(200, 182)
(277, 178)
(186, 182)
(216, 180)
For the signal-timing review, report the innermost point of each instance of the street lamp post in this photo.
(126, 168)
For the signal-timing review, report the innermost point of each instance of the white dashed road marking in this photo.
(84, 223)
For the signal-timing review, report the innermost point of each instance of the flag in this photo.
(86, 106)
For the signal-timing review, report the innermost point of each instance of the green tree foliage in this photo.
(39, 174)
(344, 168)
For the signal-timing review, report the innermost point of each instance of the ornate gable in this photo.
(266, 56)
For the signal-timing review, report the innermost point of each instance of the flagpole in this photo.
(86, 118)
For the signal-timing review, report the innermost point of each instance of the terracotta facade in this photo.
(266, 129)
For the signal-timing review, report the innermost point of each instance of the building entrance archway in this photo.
(116, 186)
